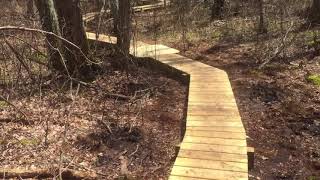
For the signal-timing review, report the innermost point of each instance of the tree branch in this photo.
(16, 28)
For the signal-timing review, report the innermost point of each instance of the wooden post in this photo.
(250, 152)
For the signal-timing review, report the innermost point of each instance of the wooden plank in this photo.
(216, 134)
(217, 103)
(214, 148)
(211, 94)
(182, 62)
(210, 164)
(217, 141)
(113, 40)
(102, 38)
(210, 100)
(213, 111)
(170, 59)
(172, 177)
(208, 84)
(208, 173)
(205, 92)
(209, 79)
(212, 89)
(216, 128)
(214, 123)
(154, 50)
(182, 65)
(218, 95)
(227, 118)
(213, 74)
(217, 156)
(214, 107)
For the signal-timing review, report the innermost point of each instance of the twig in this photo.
(20, 59)
(8, 28)
(85, 168)
(8, 102)
(280, 48)
(134, 151)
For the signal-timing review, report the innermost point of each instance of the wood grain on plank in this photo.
(208, 173)
(217, 156)
(211, 164)
(214, 148)
(216, 134)
(217, 141)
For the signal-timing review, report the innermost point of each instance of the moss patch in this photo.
(29, 142)
(314, 79)
(3, 104)
(39, 57)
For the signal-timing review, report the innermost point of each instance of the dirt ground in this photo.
(92, 128)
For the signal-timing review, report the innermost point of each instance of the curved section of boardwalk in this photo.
(214, 143)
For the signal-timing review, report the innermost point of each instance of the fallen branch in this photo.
(117, 96)
(10, 28)
(44, 174)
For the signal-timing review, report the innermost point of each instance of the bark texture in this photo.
(124, 26)
(217, 9)
(50, 23)
(72, 29)
(315, 13)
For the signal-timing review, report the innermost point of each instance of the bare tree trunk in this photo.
(114, 4)
(315, 13)
(124, 26)
(50, 23)
(237, 8)
(100, 4)
(63, 18)
(72, 29)
(30, 8)
(217, 9)
(262, 28)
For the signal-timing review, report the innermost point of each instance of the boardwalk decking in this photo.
(214, 144)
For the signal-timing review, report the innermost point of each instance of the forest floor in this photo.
(124, 123)
(87, 129)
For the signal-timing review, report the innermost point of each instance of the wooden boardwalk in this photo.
(90, 16)
(214, 143)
